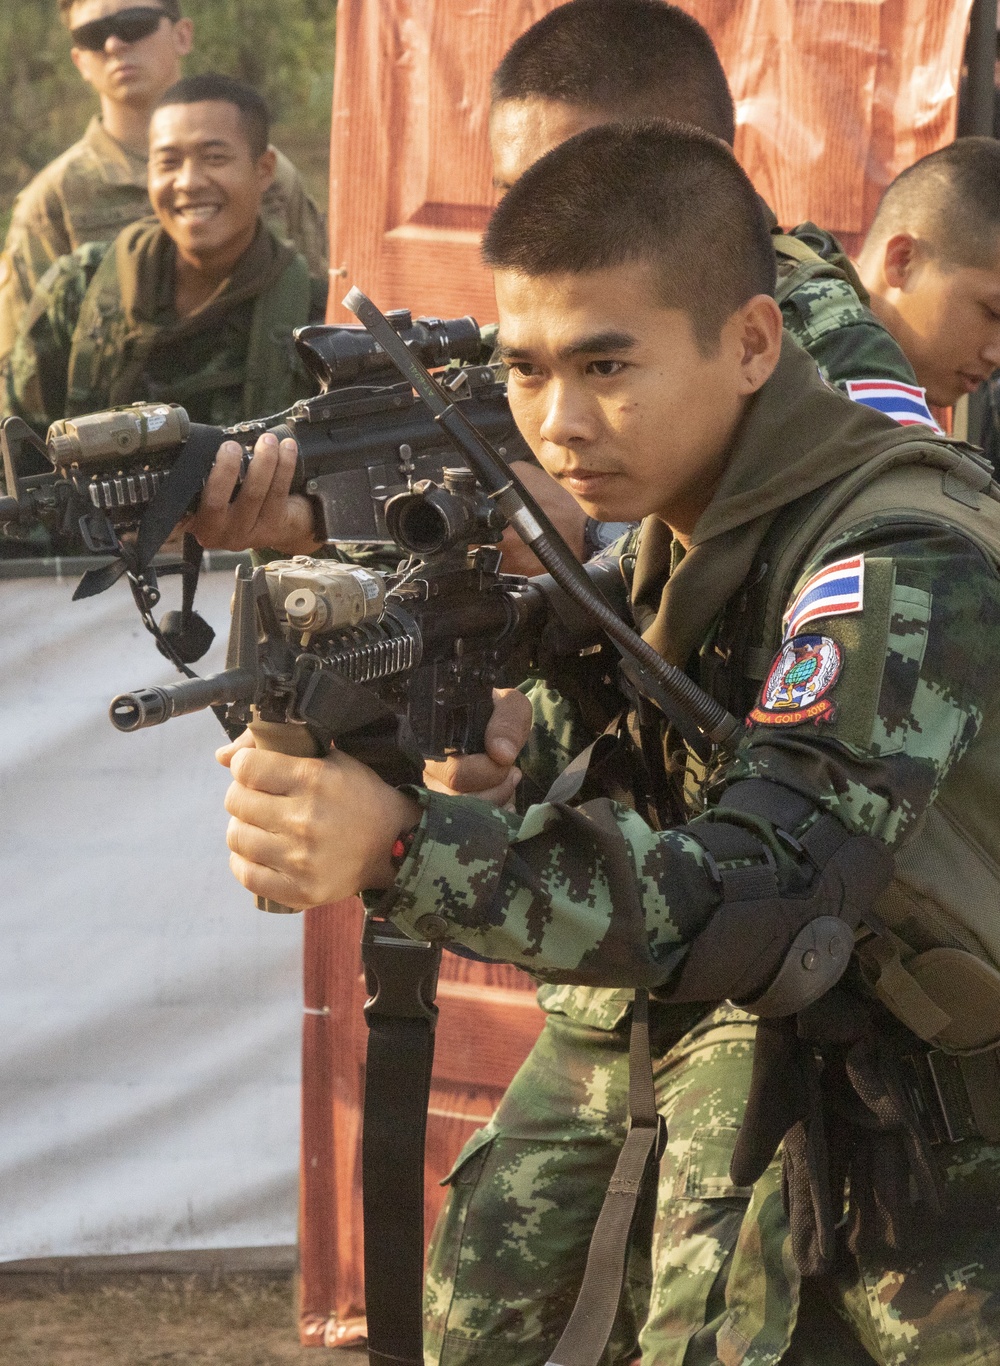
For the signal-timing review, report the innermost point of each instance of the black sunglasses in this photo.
(128, 25)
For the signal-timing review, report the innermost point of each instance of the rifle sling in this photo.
(401, 977)
(186, 478)
(586, 1334)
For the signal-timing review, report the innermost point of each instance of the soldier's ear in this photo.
(899, 257)
(756, 331)
(267, 164)
(183, 36)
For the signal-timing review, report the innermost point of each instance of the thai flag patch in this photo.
(904, 403)
(831, 592)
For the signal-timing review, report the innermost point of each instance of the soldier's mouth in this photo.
(971, 381)
(196, 213)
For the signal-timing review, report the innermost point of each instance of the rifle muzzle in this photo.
(152, 706)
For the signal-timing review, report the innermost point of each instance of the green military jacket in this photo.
(96, 188)
(102, 330)
(908, 684)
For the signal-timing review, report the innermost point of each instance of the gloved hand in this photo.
(827, 1083)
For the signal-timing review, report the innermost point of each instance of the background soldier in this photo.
(195, 306)
(652, 381)
(931, 262)
(130, 54)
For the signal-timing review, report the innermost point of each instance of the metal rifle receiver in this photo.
(664, 684)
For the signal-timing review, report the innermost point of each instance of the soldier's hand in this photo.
(492, 776)
(307, 831)
(264, 515)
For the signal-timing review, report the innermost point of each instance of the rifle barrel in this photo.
(152, 706)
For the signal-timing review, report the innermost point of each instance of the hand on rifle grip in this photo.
(492, 776)
(285, 739)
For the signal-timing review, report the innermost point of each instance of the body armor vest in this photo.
(937, 965)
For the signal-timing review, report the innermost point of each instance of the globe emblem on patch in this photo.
(795, 689)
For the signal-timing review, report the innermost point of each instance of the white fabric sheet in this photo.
(149, 1014)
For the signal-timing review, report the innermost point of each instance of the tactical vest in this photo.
(103, 345)
(936, 963)
(808, 253)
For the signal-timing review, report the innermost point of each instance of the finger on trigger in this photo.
(509, 727)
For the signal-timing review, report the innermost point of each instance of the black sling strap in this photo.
(401, 978)
(586, 1335)
(186, 479)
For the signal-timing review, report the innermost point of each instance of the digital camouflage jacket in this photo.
(866, 716)
(96, 188)
(824, 306)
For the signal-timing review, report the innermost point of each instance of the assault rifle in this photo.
(394, 668)
(117, 482)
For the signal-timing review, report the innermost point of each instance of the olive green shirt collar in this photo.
(796, 434)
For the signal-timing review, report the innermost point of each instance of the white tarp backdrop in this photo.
(149, 1014)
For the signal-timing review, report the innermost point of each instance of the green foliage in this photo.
(283, 47)
(285, 50)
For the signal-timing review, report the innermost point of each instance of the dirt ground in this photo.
(235, 1320)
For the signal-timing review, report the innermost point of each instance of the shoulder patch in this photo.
(904, 403)
(835, 591)
(795, 689)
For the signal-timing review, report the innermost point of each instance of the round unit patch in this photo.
(795, 690)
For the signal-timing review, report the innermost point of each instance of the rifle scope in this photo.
(339, 355)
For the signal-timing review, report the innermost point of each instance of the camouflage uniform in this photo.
(98, 187)
(919, 671)
(574, 1085)
(824, 306)
(102, 330)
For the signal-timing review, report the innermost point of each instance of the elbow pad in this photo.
(772, 951)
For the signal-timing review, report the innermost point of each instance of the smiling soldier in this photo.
(129, 53)
(195, 306)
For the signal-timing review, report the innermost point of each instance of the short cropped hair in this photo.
(171, 8)
(212, 85)
(663, 193)
(952, 199)
(630, 59)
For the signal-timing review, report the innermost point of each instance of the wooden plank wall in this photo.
(834, 98)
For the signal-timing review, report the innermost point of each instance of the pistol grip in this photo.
(285, 739)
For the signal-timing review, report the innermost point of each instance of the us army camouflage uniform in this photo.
(96, 188)
(919, 670)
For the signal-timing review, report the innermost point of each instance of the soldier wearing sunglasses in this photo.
(131, 54)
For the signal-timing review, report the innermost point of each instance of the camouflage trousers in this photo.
(710, 1278)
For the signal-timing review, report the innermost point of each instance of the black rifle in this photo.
(355, 657)
(117, 482)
